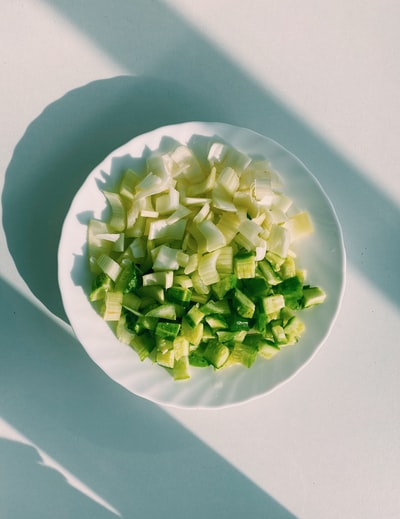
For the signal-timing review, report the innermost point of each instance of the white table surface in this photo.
(78, 78)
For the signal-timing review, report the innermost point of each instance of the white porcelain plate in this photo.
(321, 254)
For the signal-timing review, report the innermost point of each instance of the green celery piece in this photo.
(285, 315)
(216, 322)
(166, 358)
(242, 304)
(273, 304)
(226, 336)
(179, 295)
(194, 316)
(237, 322)
(274, 260)
(245, 265)
(279, 334)
(257, 286)
(180, 371)
(165, 311)
(268, 350)
(216, 353)
(288, 268)
(216, 307)
(101, 284)
(198, 360)
(313, 296)
(155, 292)
(123, 333)
(144, 323)
(164, 345)
(243, 353)
(129, 279)
(269, 272)
(265, 348)
(260, 320)
(143, 345)
(294, 329)
(224, 286)
(292, 291)
(167, 330)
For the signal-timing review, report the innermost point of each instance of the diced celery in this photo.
(243, 353)
(216, 307)
(299, 225)
(225, 260)
(193, 334)
(168, 202)
(208, 268)
(179, 295)
(294, 329)
(238, 323)
(216, 353)
(154, 292)
(128, 183)
(273, 304)
(199, 286)
(288, 268)
(128, 279)
(245, 265)
(131, 302)
(165, 311)
(163, 278)
(292, 291)
(313, 296)
(279, 334)
(101, 285)
(166, 258)
(165, 359)
(229, 180)
(112, 306)
(180, 369)
(225, 336)
(197, 257)
(122, 332)
(186, 163)
(214, 238)
(224, 286)
(267, 350)
(109, 266)
(198, 360)
(181, 347)
(269, 272)
(117, 219)
(162, 230)
(256, 286)
(167, 330)
(203, 187)
(228, 224)
(194, 316)
(242, 304)
(279, 241)
(216, 322)
(143, 345)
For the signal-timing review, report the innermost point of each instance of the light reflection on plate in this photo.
(321, 254)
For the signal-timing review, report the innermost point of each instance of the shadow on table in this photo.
(126, 450)
(30, 489)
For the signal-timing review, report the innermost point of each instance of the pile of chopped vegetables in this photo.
(194, 264)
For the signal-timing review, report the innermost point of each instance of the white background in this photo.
(79, 78)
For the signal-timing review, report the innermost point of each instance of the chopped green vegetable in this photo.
(193, 264)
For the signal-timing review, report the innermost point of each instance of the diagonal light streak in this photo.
(8, 432)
